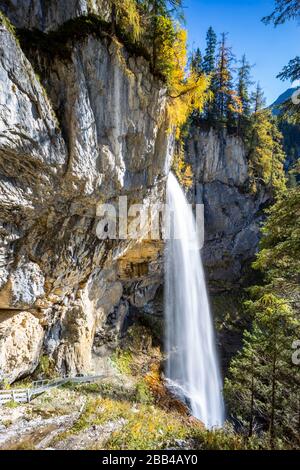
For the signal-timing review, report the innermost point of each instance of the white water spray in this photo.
(192, 364)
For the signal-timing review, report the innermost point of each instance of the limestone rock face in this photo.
(21, 340)
(93, 130)
(233, 215)
(78, 129)
(48, 15)
(217, 157)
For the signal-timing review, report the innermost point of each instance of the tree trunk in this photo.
(251, 420)
(299, 415)
(273, 399)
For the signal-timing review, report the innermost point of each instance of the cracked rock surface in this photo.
(232, 214)
(94, 129)
(77, 130)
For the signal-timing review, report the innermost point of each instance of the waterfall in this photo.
(192, 364)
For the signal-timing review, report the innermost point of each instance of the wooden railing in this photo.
(17, 395)
(25, 395)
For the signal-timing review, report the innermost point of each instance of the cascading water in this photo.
(192, 364)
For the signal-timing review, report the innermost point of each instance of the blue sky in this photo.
(267, 47)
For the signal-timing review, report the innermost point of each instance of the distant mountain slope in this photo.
(282, 99)
(291, 132)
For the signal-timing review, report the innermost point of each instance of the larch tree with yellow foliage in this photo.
(156, 25)
(265, 151)
(156, 12)
(125, 14)
(187, 94)
(186, 86)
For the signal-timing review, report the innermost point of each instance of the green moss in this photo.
(143, 393)
(46, 368)
(98, 411)
(24, 383)
(11, 404)
(149, 428)
(145, 427)
(226, 439)
(123, 361)
(5, 384)
(8, 25)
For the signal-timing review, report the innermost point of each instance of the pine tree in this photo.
(285, 10)
(279, 256)
(225, 102)
(197, 62)
(262, 376)
(278, 179)
(196, 66)
(209, 65)
(242, 383)
(265, 367)
(290, 110)
(244, 82)
(291, 71)
(264, 145)
(209, 60)
(258, 99)
(223, 78)
(159, 14)
(263, 385)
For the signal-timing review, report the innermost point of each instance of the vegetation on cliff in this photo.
(289, 110)
(129, 410)
(152, 29)
(262, 387)
(264, 145)
(230, 105)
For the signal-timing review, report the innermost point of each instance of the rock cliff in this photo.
(49, 15)
(233, 214)
(82, 122)
(92, 127)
